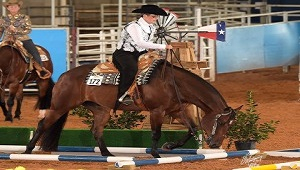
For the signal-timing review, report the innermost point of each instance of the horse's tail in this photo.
(45, 101)
(50, 138)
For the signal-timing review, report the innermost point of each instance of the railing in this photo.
(87, 18)
(107, 14)
(243, 17)
(41, 15)
(246, 19)
(205, 48)
(95, 44)
(110, 12)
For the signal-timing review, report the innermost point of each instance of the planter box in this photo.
(112, 137)
(245, 145)
(123, 138)
(15, 135)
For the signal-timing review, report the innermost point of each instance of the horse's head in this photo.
(216, 126)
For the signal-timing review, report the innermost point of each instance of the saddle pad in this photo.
(44, 57)
(24, 52)
(98, 78)
(42, 53)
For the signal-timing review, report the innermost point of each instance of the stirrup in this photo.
(125, 99)
(123, 96)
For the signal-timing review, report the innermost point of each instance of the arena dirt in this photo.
(277, 95)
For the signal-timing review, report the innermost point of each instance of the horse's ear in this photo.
(239, 108)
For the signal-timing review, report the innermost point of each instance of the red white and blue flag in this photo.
(215, 31)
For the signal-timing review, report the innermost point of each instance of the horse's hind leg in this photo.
(101, 117)
(19, 98)
(49, 128)
(36, 136)
(45, 94)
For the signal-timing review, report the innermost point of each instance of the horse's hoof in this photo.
(168, 146)
(9, 118)
(26, 152)
(17, 117)
(107, 154)
(155, 154)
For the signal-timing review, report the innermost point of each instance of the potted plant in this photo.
(125, 120)
(246, 131)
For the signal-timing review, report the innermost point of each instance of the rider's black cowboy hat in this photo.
(150, 9)
(12, 2)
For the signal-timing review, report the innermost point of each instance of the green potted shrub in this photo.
(246, 131)
(125, 120)
(121, 131)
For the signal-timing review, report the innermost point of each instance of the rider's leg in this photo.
(126, 63)
(30, 47)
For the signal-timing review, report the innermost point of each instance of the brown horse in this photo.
(161, 96)
(14, 74)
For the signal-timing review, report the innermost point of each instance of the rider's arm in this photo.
(1, 27)
(136, 34)
(25, 27)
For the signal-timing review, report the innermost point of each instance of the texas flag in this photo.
(215, 31)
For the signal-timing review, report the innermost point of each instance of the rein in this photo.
(217, 117)
(176, 89)
(1, 77)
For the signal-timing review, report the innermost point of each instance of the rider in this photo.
(16, 26)
(135, 40)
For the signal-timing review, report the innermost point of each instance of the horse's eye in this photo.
(221, 122)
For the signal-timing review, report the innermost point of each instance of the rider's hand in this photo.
(168, 46)
(12, 28)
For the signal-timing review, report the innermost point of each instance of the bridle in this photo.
(217, 122)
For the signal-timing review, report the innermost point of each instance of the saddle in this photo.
(109, 74)
(145, 60)
(27, 57)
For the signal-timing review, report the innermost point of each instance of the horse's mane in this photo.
(193, 75)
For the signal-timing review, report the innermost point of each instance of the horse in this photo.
(169, 90)
(15, 72)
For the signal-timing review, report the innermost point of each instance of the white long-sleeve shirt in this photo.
(137, 35)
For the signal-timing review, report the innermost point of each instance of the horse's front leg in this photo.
(101, 117)
(2, 101)
(156, 120)
(180, 142)
(184, 116)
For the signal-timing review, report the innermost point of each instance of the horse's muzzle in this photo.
(214, 146)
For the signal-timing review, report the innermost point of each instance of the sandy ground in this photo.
(276, 93)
